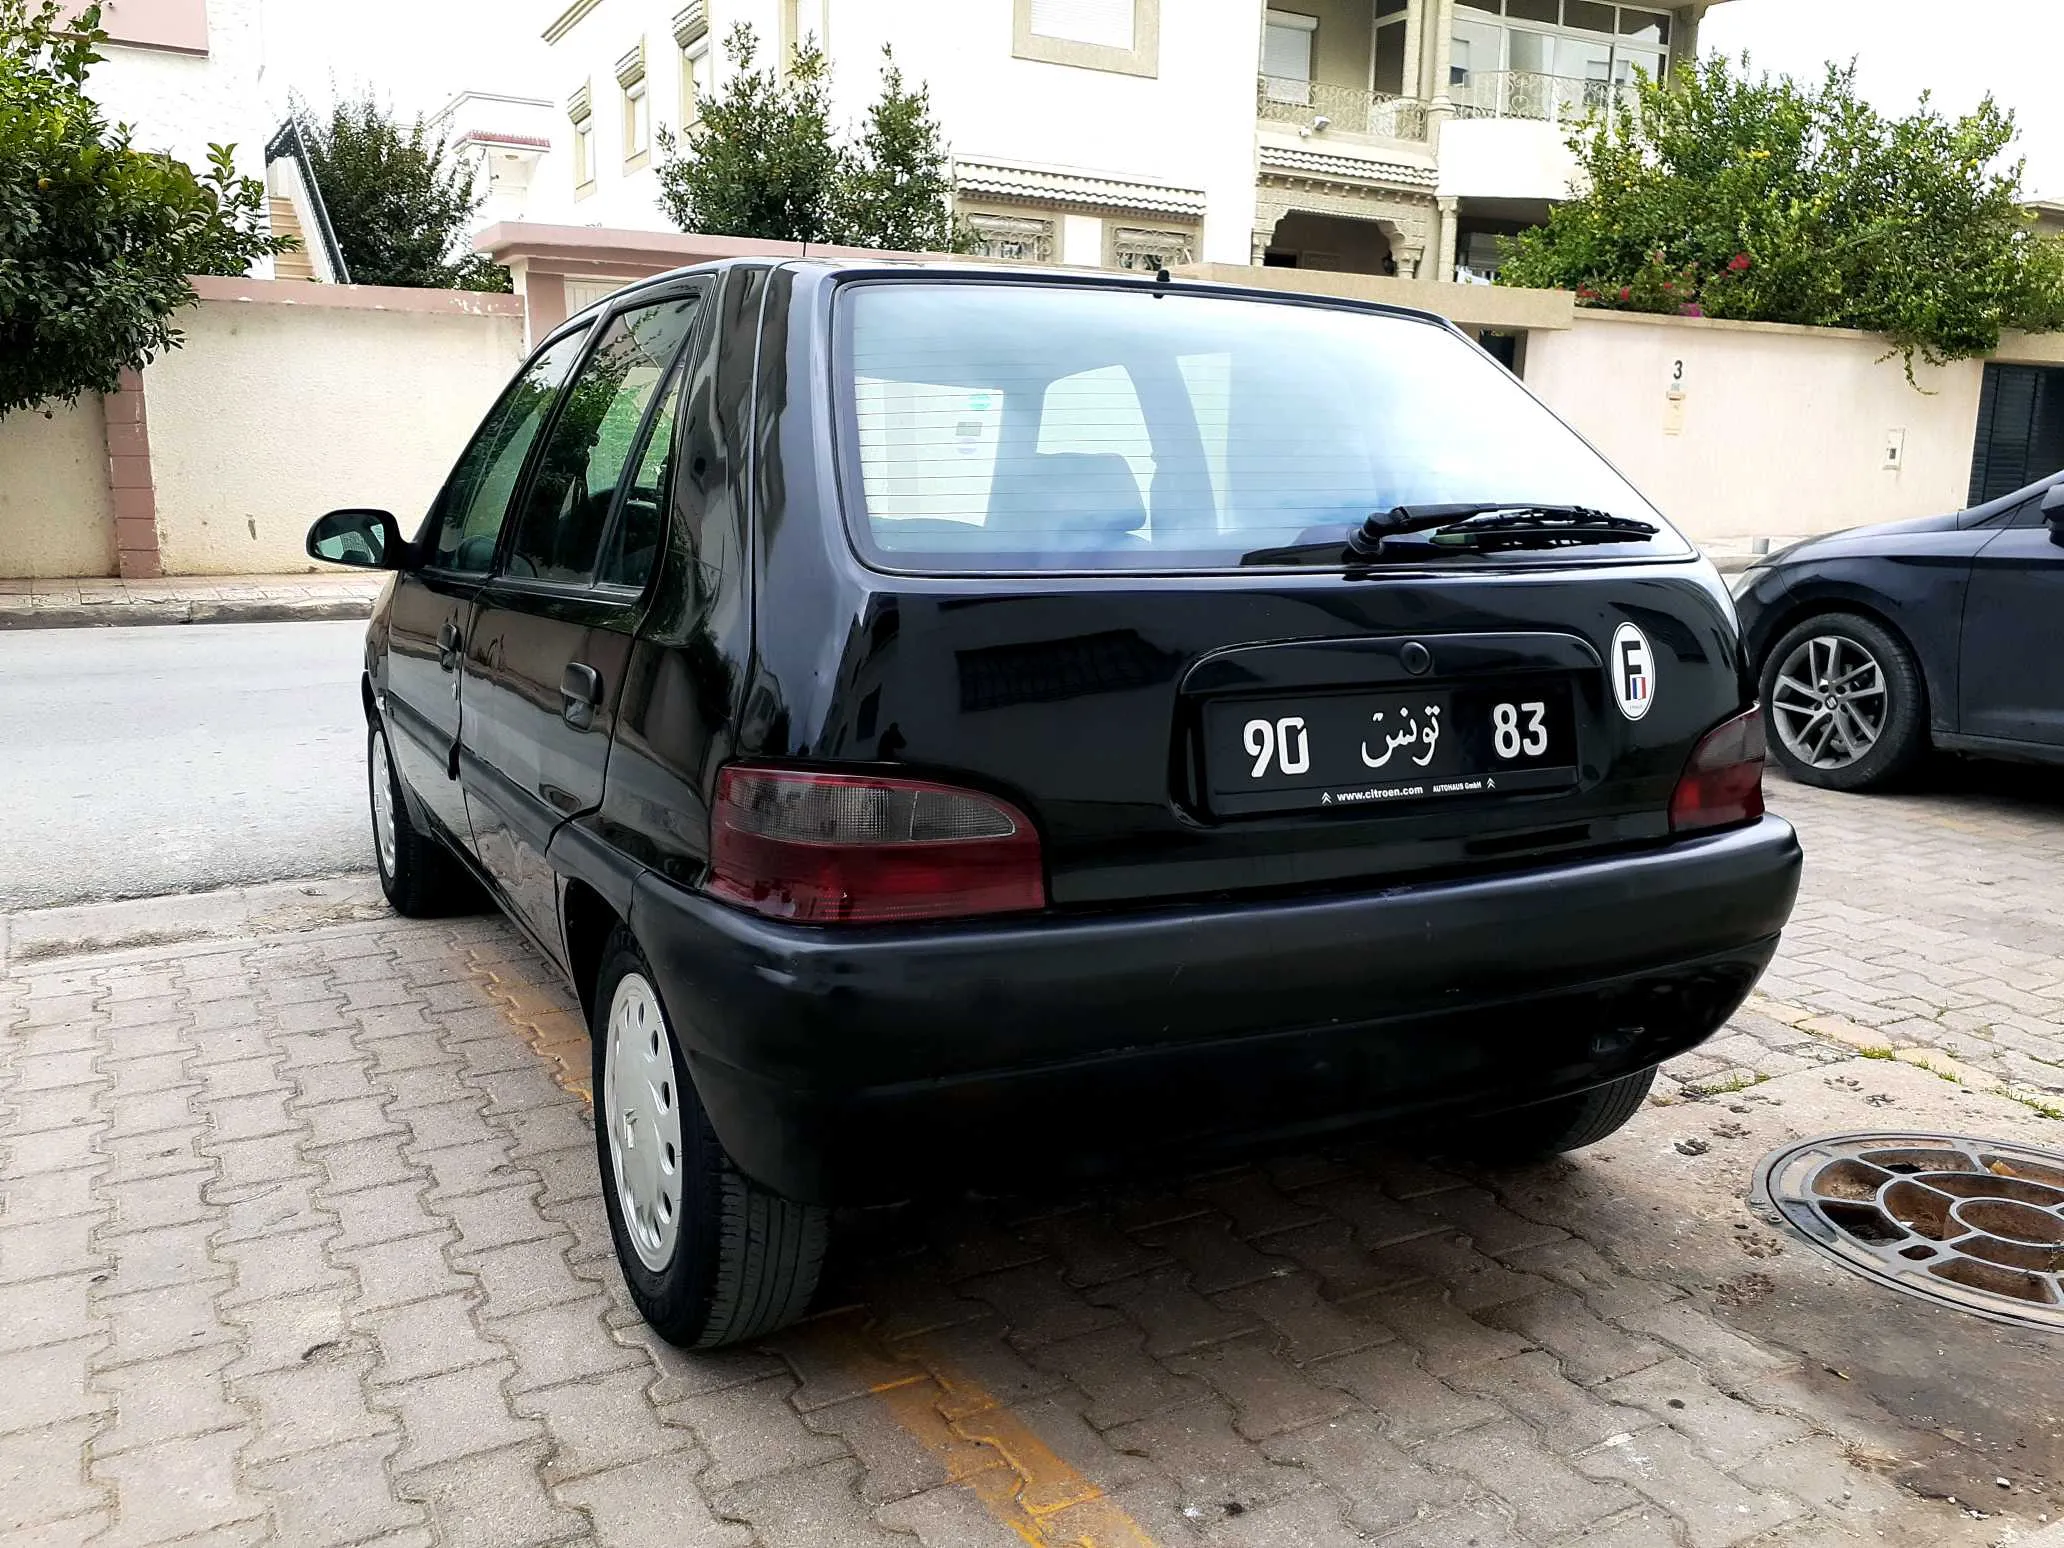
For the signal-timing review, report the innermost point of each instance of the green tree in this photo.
(1724, 194)
(761, 163)
(895, 189)
(97, 238)
(399, 201)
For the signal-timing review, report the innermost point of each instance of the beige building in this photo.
(1362, 136)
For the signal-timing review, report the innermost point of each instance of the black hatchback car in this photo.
(919, 703)
(1876, 644)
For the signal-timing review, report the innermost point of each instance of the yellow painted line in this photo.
(985, 1447)
(556, 1035)
(1018, 1478)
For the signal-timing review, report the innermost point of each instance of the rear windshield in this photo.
(1009, 426)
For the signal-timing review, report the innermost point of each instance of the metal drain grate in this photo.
(1974, 1224)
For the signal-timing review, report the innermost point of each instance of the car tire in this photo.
(420, 877)
(711, 1257)
(1565, 1124)
(1901, 739)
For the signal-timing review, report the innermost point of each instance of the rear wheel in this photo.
(710, 1256)
(1567, 1123)
(1846, 705)
(420, 877)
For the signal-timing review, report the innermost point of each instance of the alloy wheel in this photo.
(384, 837)
(1829, 702)
(641, 1103)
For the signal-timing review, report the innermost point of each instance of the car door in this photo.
(2013, 671)
(433, 603)
(553, 629)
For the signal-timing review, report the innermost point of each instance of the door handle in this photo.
(580, 691)
(448, 642)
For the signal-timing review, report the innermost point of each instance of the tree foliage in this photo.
(399, 201)
(97, 238)
(1724, 194)
(763, 160)
(896, 190)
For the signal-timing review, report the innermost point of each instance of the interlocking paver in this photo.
(315, 1236)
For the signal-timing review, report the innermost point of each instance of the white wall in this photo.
(274, 413)
(1779, 432)
(183, 103)
(56, 517)
(1191, 126)
(1505, 158)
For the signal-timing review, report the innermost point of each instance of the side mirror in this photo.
(2053, 513)
(370, 540)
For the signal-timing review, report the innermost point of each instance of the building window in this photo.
(1551, 59)
(1118, 35)
(1387, 65)
(1143, 249)
(691, 35)
(803, 24)
(581, 110)
(1287, 43)
(1011, 238)
(637, 108)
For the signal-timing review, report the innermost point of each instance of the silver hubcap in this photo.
(383, 804)
(1829, 702)
(641, 1097)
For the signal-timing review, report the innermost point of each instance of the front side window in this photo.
(1032, 427)
(564, 516)
(468, 519)
(1286, 56)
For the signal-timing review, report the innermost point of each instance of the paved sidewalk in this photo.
(70, 604)
(301, 1242)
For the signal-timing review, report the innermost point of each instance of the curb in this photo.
(200, 610)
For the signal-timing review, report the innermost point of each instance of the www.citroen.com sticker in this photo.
(1633, 671)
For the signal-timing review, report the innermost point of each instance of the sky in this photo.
(1960, 48)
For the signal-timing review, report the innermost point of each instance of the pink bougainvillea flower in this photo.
(1738, 262)
(1626, 292)
(1691, 309)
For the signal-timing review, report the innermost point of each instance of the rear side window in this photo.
(1013, 426)
(468, 519)
(565, 515)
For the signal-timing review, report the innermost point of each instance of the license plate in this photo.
(1366, 750)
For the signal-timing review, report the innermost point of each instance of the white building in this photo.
(1369, 136)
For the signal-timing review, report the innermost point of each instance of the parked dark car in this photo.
(1876, 644)
(944, 720)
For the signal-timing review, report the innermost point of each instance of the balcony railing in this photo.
(1528, 94)
(1345, 110)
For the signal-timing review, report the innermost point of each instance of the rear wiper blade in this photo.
(1504, 524)
(1480, 525)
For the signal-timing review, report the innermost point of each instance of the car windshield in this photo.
(1014, 426)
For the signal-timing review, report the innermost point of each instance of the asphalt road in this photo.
(136, 762)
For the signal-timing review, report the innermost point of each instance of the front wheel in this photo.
(711, 1257)
(420, 877)
(1846, 705)
(1565, 1124)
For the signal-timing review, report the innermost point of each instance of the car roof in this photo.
(969, 268)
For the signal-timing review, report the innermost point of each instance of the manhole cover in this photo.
(1974, 1224)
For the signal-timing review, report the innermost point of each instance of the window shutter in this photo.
(1106, 23)
(1286, 51)
(2006, 426)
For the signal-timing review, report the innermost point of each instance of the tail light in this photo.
(1722, 783)
(856, 849)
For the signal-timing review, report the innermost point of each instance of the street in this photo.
(152, 760)
(301, 1237)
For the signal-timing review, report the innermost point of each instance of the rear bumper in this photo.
(868, 1064)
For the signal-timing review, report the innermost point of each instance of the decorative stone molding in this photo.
(631, 68)
(1012, 238)
(1143, 249)
(1410, 218)
(1022, 184)
(691, 24)
(581, 104)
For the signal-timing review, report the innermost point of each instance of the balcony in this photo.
(1553, 99)
(1339, 112)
